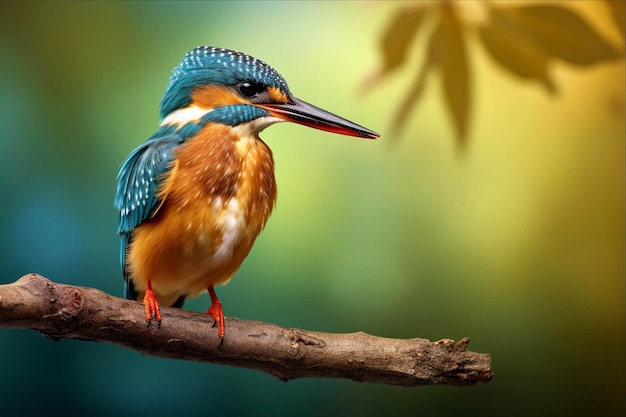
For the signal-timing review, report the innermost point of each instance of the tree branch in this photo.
(70, 312)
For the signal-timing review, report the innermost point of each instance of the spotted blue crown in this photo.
(208, 65)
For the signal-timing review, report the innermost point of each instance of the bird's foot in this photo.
(217, 313)
(153, 310)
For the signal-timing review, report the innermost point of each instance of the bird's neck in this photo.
(188, 121)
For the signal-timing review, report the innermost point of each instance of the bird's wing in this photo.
(138, 183)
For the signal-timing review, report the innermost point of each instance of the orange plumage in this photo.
(216, 200)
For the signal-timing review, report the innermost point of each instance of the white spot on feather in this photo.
(180, 117)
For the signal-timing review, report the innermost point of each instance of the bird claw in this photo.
(217, 312)
(153, 310)
(150, 321)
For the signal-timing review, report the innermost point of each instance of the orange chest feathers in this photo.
(221, 187)
(217, 197)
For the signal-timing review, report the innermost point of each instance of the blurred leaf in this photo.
(396, 40)
(399, 34)
(514, 49)
(618, 13)
(445, 50)
(415, 93)
(523, 38)
(451, 55)
(561, 33)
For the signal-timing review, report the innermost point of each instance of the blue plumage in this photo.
(138, 182)
(208, 65)
(234, 114)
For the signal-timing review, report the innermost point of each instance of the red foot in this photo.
(153, 310)
(216, 312)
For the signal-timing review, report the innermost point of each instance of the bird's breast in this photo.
(227, 182)
(217, 198)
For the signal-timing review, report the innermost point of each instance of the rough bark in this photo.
(69, 312)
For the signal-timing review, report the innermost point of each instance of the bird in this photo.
(195, 195)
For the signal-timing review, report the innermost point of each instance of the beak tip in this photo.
(363, 132)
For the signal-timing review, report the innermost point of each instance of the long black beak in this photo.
(301, 112)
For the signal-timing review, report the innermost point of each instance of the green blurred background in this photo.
(518, 242)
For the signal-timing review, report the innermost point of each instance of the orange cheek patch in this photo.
(277, 95)
(212, 96)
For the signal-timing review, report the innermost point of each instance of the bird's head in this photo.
(230, 87)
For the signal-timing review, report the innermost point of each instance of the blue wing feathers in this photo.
(139, 178)
(138, 181)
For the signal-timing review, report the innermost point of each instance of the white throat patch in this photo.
(253, 127)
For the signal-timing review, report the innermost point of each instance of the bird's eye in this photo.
(248, 89)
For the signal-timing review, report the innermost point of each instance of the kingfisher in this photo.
(196, 194)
